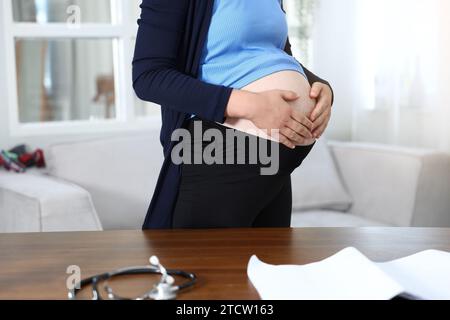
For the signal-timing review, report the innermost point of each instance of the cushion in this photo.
(331, 219)
(399, 186)
(317, 184)
(33, 202)
(120, 173)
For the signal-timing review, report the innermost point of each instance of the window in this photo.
(399, 68)
(70, 65)
(398, 53)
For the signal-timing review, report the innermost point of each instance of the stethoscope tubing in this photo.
(95, 280)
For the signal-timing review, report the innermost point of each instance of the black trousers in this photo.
(235, 195)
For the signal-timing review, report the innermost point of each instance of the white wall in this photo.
(444, 76)
(334, 57)
(4, 132)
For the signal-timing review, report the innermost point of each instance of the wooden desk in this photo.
(33, 266)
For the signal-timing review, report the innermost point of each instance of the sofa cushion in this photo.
(332, 219)
(317, 183)
(34, 202)
(400, 186)
(119, 172)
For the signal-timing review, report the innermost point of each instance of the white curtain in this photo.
(389, 63)
(397, 71)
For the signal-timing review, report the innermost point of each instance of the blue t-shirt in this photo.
(245, 42)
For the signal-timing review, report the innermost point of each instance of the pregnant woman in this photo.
(226, 65)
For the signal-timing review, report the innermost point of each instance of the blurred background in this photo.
(388, 61)
(65, 69)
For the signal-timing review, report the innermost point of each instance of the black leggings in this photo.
(236, 195)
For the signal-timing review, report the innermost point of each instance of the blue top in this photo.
(245, 42)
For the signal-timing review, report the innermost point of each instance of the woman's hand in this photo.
(274, 114)
(321, 114)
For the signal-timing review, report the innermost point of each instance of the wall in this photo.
(4, 132)
(444, 75)
(334, 57)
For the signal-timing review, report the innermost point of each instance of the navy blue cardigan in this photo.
(169, 45)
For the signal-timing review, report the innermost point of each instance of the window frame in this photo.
(122, 31)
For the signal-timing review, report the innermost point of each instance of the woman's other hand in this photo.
(321, 114)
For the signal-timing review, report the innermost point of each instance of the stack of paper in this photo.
(349, 275)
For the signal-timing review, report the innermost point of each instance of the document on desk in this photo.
(349, 275)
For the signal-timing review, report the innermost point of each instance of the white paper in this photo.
(425, 275)
(348, 275)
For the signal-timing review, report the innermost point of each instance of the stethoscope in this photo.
(165, 289)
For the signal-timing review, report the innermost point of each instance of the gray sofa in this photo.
(107, 184)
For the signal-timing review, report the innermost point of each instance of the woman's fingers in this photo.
(324, 96)
(297, 133)
(320, 130)
(324, 117)
(286, 141)
(299, 129)
(323, 105)
(320, 109)
(303, 120)
(293, 136)
(316, 90)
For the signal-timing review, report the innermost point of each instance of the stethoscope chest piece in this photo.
(163, 291)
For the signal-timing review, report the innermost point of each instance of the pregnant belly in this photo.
(283, 80)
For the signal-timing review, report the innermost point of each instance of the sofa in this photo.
(107, 184)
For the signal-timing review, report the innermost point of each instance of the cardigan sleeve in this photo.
(156, 77)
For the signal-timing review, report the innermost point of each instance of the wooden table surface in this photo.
(33, 266)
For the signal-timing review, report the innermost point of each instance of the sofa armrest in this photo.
(398, 186)
(38, 203)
